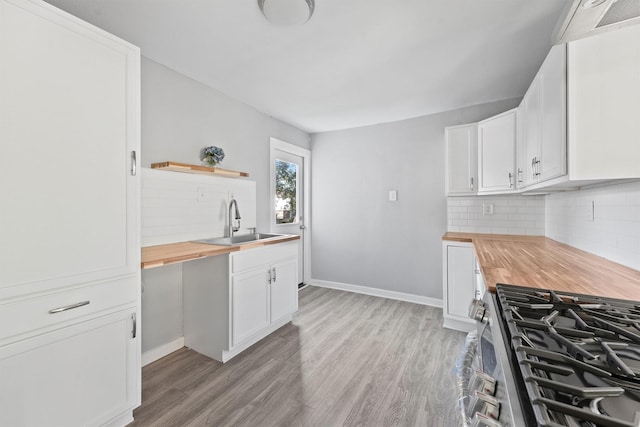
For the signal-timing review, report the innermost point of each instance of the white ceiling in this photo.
(355, 63)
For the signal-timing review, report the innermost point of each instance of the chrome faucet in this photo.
(232, 228)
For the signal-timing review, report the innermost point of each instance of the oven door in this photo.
(482, 389)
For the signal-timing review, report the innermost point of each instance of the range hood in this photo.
(588, 17)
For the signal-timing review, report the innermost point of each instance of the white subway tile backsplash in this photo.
(179, 207)
(603, 220)
(512, 214)
(611, 228)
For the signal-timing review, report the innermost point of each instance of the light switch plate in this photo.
(487, 209)
(393, 195)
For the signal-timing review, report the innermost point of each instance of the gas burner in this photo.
(578, 356)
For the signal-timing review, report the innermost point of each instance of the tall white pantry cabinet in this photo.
(69, 220)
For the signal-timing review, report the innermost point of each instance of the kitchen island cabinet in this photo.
(232, 301)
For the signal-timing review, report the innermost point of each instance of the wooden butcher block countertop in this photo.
(172, 253)
(540, 262)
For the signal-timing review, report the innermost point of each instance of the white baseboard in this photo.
(159, 352)
(401, 296)
(120, 420)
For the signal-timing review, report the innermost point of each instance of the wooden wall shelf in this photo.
(203, 170)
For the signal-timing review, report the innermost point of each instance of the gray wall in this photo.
(161, 306)
(179, 117)
(361, 238)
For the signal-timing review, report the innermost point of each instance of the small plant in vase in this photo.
(212, 155)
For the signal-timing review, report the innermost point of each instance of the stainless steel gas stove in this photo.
(576, 357)
(572, 360)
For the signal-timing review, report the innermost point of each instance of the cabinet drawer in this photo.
(253, 258)
(35, 313)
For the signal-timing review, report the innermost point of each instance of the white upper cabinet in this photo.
(461, 150)
(553, 115)
(604, 105)
(496, 153)
(69, 131)
(528, 148)
(542, 154)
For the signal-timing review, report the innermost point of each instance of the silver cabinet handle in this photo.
(274, 275)
(471, 183)
(134, 326)
(519, 176)
(510, 182)
(68, 307)
(133, 163)
(269, 276)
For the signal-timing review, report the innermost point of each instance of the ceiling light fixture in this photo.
(287, 12)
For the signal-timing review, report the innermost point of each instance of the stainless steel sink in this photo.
(239, 239)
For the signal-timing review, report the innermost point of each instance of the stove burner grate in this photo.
(578, 356)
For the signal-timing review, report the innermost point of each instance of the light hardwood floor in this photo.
(346, 360)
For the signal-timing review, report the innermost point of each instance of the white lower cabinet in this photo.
(459, 284)
(81, 375)
(249, 304)
(283, 301)
(232, 301)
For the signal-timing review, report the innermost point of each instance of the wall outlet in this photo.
(203, 194)
(393, 195)
(487, 209)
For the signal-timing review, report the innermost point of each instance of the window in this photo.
(286, 192)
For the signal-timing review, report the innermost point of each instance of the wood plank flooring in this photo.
(345, 360)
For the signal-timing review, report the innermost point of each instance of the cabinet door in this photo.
(83, 375)
(284, 289)
(521, 154)
(496, 153)
(530, 133)
(69, 120)
(461, 161)
(604, 105)
(552, 149)
(249, 303)
(461, 285)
